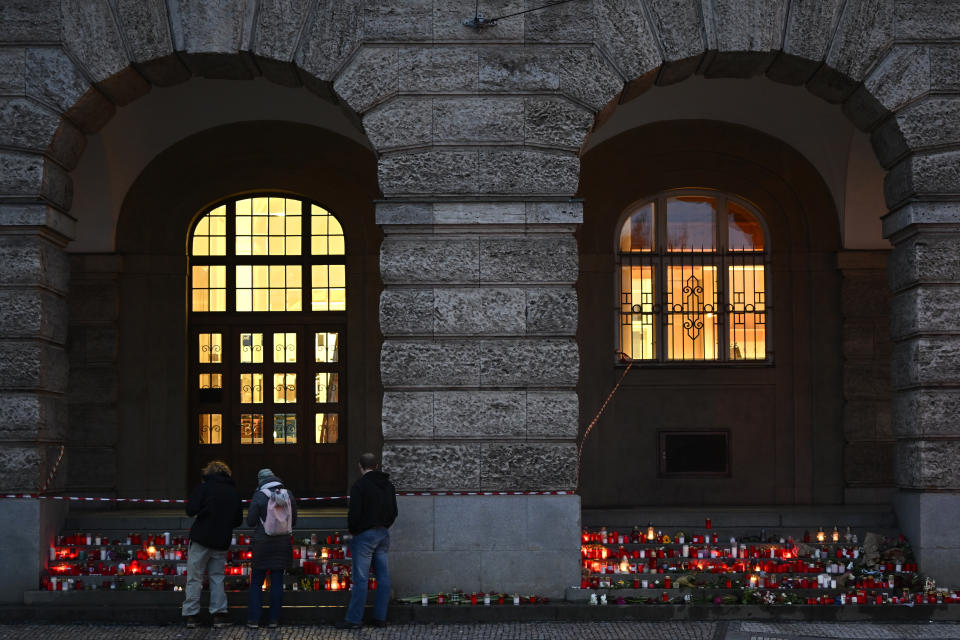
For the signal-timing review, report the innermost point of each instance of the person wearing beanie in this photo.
(217, 506)
(271, 554)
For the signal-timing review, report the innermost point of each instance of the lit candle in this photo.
(835, 536)
(650, 533)
(820, 535)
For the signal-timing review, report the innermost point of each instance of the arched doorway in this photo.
(288, 261)
(754, 417)
(268, 308)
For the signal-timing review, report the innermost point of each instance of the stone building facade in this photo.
(479, 175)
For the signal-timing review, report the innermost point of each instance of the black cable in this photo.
(510, 15)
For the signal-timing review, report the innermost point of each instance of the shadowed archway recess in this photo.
(156, 216)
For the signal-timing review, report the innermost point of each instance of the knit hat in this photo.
(263, 474)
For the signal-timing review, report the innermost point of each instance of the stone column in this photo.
(478, 162)
(925, 326)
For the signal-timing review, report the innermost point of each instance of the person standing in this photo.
(373, 508)
(272, 554)
(216, 504)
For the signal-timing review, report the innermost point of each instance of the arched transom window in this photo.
(267, 282)
(692, 280)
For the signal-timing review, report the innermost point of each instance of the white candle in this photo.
(643, 584)
(423, 600)
(686, 551)
(833, 585)
(486, 599)
(516, 599)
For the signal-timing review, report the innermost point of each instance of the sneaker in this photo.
(346, 624)
(191, 622)
(380, 623)
(221, 620)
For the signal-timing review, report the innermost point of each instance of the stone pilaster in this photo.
(868, 440)
(924, 325)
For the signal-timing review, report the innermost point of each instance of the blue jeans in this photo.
(257, 576)
(370, 545)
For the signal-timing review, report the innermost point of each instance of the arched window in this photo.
(267, 279)
(693, 285)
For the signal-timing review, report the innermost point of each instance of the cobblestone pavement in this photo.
(504, 631)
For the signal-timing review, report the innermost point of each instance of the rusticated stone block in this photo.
(679, 26)
(22, 467)
(527, 171)
(479, 213)
(474, 120)
(410, 20)
(554, 212)
(902, 76)
(930, 122)
(926, 412)
(25, 124)
(404, 213)
(865, 29)
(587, 77)
(746, 36)
(924, 309)
(28, 261)
(93, 301)
(428, 259)
(450, 467)
(923, 20)
(29, 21)
(145, 26)
(529, 362)
(926, 361)
(809, 28)
(552, 311)
(429, 172)
(928, 464)
(32, 365)
(13, 61)
(511, 69)
(864, 110)
(29, 416)
(31, 175)
(864, 294)
(466, 415)
(555, 122)
(407, 415)
(624, 33)
(331, 38)
(529, 467)
(945, 68)
(859, 339)
(869, 463)
(418, 363)
(99, 344)
(931, 257)
(279, 23)
(52, 78)
(919, 174)
(205, 27)
(438, 70)
(552, 414)
(480, 311)
(402, 122)
(33, 313)
(528, 259)
(90, 382)
(91, 35)
(406, 311)
(566, 22)
(369, 78)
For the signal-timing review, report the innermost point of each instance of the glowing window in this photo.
(692, 271)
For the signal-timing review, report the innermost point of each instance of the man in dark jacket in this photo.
(217, 507)
(373, 508)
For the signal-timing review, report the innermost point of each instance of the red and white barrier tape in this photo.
(53, 471)
(37, 496)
